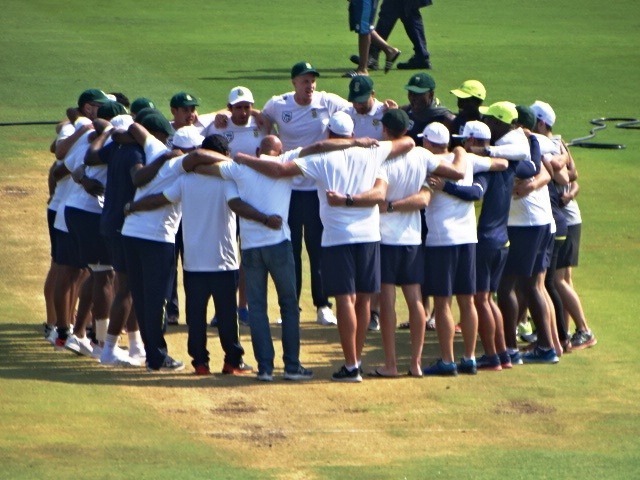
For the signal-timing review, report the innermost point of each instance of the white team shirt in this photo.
(406, 175)
(208, 224)
(369, 124)
(451, 220)
(302, 125)
(160, 224)
(73, 159)
(351, 171)
(535, 208)
(269, 195)
(241, 138)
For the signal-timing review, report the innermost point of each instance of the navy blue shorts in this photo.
(84, 227)
(51, 218)
(450, 270)
(490, 262)
(362, 14)
(351, 268)
(570, 250)
(402, 264)
(66, 251)
(528, 250)
(116, 252)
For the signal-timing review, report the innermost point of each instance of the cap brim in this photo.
(483, 110)
(312, 71)
(413, 89)
(360, 98)
(460, 94)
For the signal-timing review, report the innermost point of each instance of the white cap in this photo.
(544, 112)
(341, 124)
(436, 133)
(122, 121)
(111, 97)
(240, 94)
(187, 137)
(475, 129)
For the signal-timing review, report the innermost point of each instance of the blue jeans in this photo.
(258, 263)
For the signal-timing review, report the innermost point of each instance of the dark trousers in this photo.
(222, 286)
(304, 218)
(149, 264)
(173, 305)
(408, 12)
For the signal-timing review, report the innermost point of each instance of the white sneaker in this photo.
(138, 354)
(97, 350)
(73, 343)
(111, 358)
(86, 348)
(53, 335)
(326, 317)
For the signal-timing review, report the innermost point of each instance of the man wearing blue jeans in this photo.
(266, 250)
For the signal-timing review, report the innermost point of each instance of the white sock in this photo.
(351, 368)
(512, 351)
(101, 330)
(135, 342)
(111, 342)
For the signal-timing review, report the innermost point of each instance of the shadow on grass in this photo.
(27, 356)
(270, 74)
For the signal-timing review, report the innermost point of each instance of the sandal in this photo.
(388, 65)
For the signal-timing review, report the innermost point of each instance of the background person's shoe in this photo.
(374, 322)
(372, 64)
(326, 317)
(415, 64)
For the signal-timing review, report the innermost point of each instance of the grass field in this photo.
(63, 416)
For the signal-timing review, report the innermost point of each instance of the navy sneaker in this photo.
(345, 375)
(300, 374)
(505, 360)
(516, 358)
(538, 355)
(468, 367)
(491, 363)
(168, 365)
(441, 368)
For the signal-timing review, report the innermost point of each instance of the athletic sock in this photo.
(101, 330)
(512, 351)
(135, 341)
(111, 342)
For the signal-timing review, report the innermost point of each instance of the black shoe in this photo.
(344, 375)
(372, 65)
(415, 64)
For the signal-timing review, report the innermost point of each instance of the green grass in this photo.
(62, 416)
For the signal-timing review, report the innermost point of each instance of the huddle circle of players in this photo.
(383, 196)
